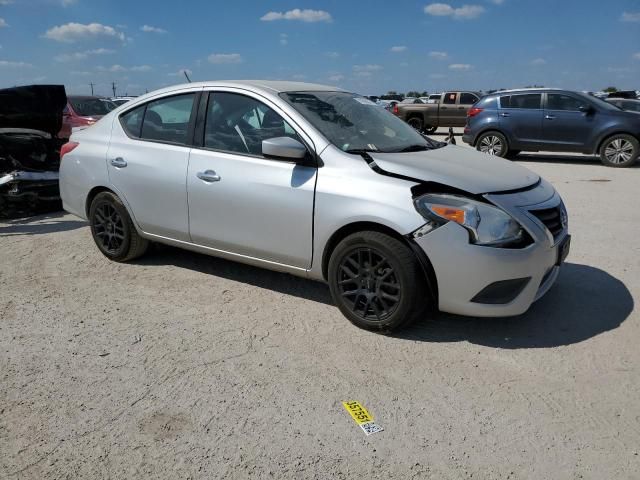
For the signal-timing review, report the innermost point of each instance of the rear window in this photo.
(468, 98)
(88, 107)
(489, 102)
(528, 101)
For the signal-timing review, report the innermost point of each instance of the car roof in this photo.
(273, 86)
(518, 90)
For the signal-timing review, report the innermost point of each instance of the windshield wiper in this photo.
(418, 147)
(359, 151)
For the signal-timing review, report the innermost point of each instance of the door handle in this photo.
(118, 162)
(504, 114)
(549, 117)
(209, 176)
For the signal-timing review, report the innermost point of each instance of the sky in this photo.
(365, 46)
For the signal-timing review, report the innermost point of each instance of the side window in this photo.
(527, 101)
(488, 102)
(468, 98)
(558, 101)
(237, 123)
(167, 119)
(132, 121)
(450, 98)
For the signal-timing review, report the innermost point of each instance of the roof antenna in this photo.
(186, 75)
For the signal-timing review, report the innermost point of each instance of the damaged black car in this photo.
(30, 119)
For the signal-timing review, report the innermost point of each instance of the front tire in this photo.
(113, 230)
(493, 143)
(619, 151)
(377, 282)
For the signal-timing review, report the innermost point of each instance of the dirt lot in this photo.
(184, 366)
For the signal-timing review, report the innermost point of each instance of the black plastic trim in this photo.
(501, 292)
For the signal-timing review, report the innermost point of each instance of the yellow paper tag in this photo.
(358, 412)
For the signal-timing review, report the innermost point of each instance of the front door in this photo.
(241, 202)
(565, 126)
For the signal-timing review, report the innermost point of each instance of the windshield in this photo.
(355, 124)
(89, 107)
(598, 101)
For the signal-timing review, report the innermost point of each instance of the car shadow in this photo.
(238, 272)
(39, 225)
(564, 158)
(584, 302)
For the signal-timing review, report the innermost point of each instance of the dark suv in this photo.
(508, 122)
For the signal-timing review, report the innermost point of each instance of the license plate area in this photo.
(563, 250)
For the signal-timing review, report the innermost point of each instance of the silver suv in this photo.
(323, 184)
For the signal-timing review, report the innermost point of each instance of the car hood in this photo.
(458, 167)
(37, 107)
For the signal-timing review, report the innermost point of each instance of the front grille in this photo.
(551, 218)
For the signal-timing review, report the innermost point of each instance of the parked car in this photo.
(629, 94)
(83, 111)
(625, 104)
(508, 122)
(450, 111)
(324, 184)
(30, 118)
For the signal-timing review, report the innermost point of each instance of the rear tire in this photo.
(619, 151)
(377, 282)
(113, 230)
(416, 122)
(493, 143)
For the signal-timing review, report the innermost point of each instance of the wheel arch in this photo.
(368, 226)
(608, 135)
(102, 188)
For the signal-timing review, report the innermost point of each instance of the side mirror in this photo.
(588, 109)
(284, 147)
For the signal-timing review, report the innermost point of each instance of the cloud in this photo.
(398, 49)
(438, 55)
(336, 78)
(305, 15)
(466, 12)
(538, 61)
(299, 76)
(460, 67)
(332, 54)
(630, 17)
(70, 57)
(10, 64)
(636, 56)
(220, 58)
(68, 3)
(284, 39)
(181, 72)
(436, 76)
(141, 68)
(4, 3)
(3, 23)
(366, 70)
(497, 2)
(150, 29)
(73, 32)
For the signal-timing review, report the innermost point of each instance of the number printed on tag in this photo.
(362, 417)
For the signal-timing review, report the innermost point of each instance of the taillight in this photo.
(474, 111)
(395, 109)
(67, 147)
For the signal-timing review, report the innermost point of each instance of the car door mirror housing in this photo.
(285, 148)
(588, 109)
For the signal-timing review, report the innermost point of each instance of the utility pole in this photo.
(92, 85)
(113, 88)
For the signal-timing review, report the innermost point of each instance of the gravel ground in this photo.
(184, 366)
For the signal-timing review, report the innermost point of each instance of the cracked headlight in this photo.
(487, 225)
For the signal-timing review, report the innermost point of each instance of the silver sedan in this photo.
(320, 183)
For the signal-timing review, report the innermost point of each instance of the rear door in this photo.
(465, 101)
(147, 162)
(520, 117)
(565, 127)
(240, 201)
(448, 110)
